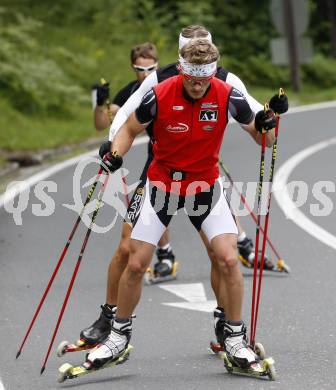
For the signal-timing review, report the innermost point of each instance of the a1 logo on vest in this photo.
(208, 115)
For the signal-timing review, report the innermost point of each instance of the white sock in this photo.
(166, 247)
(242, 237)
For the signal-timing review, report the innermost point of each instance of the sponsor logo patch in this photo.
(208, 115)
(209, 105)
(178, 108)
(178, 128)
(208, 128)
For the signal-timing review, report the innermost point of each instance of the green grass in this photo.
(20, 132)
(308, 94)
(106, 57)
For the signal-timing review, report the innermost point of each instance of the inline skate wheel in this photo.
(61, 349)
(271, 372)
(148, 276)
(63, 372)
(260, 350)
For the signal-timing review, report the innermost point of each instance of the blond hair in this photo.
(199, 51)
(194, 31)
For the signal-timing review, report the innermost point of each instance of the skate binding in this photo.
(67, 371)
(263, 367)
(215, 348)
(80, 345)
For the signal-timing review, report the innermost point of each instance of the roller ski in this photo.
(114, 350)
(91, 336)
(67, 371)
(241, 359)
(165, 268)
(246, 256)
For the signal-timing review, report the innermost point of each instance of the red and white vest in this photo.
(188, 135)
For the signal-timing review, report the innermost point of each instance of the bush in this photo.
(32, 82)
(258, 71)
(321, 72)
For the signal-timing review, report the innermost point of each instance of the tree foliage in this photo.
(32, 81)
(52, 51)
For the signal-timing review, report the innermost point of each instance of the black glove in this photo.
(265, 120)
(111, 162)
(279, 104)
(103, 93)
(104, 148)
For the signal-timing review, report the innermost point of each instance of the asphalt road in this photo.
(297, 318)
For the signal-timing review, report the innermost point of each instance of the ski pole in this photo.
(86, 239)
(243, 199)
(259, 192)
(60, 260)
(271, 174)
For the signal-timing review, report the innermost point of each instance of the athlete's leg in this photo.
(164, 240)
(216, 278)
(147, 231)
(131, 280)
(225, 250)
(118, 264)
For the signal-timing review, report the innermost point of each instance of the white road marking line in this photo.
(207, 307)
(32, 180)
(193, 293)
(2, 387)
(286, 204)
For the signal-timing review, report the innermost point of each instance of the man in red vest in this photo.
(189, 114)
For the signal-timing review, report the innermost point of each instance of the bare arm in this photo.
(103, 115)
(126, 134)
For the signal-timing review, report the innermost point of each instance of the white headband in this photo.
(183, 41)
(197, 70)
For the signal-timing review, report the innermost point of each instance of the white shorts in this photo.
(208, 211)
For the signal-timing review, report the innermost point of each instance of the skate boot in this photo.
(236, 347)
(164, 268)
(239, 357)
(113, 351)
(112, 348)
(101, 328)
(219, 317)
(91, 336)
(247, 253)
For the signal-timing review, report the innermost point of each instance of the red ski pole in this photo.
(243, 199)
(60, 260)
(259, 189)
(86, 239)
(274, 155)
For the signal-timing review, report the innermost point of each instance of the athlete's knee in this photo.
(123, 250)
(136, 267)
(227, 260)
